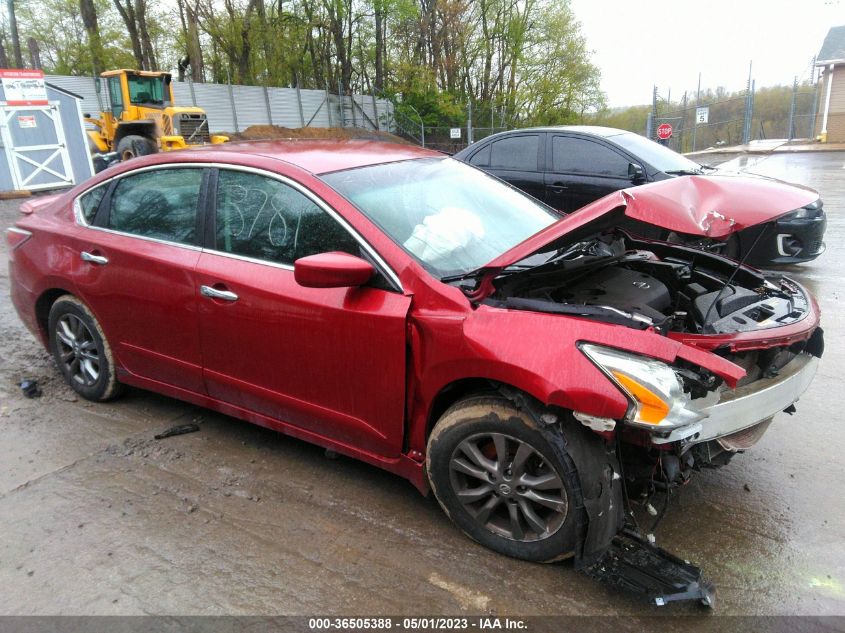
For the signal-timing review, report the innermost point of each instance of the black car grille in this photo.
(194, 129)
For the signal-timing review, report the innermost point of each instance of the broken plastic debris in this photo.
(177, 430)
(30, 389)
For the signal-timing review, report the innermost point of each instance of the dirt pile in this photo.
(264, 132)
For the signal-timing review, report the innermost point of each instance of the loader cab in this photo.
(139, 89)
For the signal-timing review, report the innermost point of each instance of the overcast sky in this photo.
(640, 43)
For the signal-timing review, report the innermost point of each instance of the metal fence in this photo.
(233, 108)
(735, 121)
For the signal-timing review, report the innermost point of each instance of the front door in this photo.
(330, 361)
(581, 170)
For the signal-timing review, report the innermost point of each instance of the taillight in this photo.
(15, 237)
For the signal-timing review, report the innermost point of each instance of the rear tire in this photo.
(498, 479)
(81, 351)
(134, 145)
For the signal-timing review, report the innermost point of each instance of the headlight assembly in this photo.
(656, 394)
(811, 210)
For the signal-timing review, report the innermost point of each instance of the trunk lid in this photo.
(31, 206)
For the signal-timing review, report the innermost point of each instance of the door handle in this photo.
(94, 259)
(214, 293)
(557, 187)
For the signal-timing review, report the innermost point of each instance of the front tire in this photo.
(495, 475)
(81, 351)
(134, 145)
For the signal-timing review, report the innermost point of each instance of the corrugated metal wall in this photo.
(254, 105)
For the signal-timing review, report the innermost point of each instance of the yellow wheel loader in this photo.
(143, 118)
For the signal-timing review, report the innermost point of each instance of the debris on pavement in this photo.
(30, 388)
(181, 429)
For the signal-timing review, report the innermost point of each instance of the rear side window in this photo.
(518, 153)
(266, 219)
(90, 203)
(160, 204)
(580, 156)
(481, 157)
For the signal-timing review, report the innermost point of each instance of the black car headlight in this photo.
(655, 391)
(808, 211)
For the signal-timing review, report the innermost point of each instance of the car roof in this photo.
(320, 156)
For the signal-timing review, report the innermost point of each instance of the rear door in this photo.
(330, 361)
(581, 170)
(134, 267)
(516, 159)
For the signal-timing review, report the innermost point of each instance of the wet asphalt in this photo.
(97, 517)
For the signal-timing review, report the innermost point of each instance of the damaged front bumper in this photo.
(748, 406)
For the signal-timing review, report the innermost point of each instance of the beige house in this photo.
(830, 122)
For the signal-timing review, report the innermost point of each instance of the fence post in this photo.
(328, 108)
(697, 104)
(232, 101)
(191, 86)
(375, 109)
(649, 124)
(299, 105)
(267, 103)
(469, 122)
(340, 102)
(791, 132)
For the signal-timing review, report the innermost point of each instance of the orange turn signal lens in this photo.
(652, 408)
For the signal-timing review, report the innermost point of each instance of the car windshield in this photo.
(146, 90)
(660, 157)
(451, 217)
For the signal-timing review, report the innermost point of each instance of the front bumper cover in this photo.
(747, 406)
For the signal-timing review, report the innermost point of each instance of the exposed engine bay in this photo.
(650, 284)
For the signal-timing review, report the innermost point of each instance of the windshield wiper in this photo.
(685, 172)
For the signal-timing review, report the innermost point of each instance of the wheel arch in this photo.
(139, 128)
(43, 304)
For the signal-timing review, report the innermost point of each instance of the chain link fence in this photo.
(771, 113)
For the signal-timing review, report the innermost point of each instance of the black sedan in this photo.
(570, 166)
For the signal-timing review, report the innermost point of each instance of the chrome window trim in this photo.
(380, 263)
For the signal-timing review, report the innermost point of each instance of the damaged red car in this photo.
(409, 310)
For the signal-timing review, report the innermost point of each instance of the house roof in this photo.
(833, 48)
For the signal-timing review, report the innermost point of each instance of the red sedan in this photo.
(413, 312)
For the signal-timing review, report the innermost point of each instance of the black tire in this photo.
(134, 145)
(81, 350)
(478, 421)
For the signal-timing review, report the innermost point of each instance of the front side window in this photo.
(572, 155)
(266, 219)
(160, 204)
(517, 153)
(451, 217)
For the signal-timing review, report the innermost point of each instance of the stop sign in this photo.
(664, 131)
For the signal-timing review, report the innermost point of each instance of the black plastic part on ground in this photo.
(633, 564)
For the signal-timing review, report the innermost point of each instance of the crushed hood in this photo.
(710, 206)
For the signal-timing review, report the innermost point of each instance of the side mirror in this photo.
(332, 270)
(635, 172)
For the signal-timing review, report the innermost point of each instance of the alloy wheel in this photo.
(508, 487)
(79, 354)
